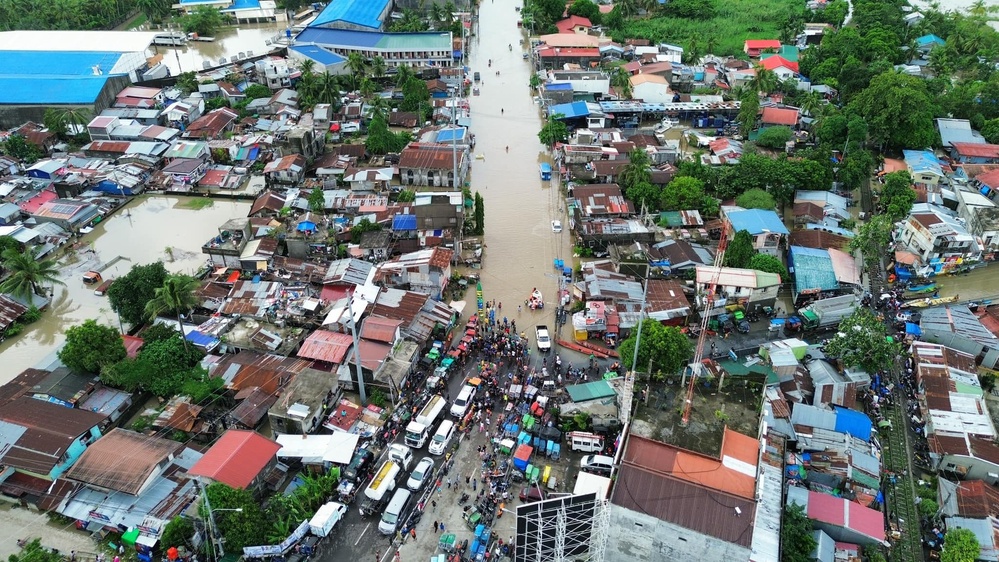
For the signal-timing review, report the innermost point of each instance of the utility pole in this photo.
(357, 351)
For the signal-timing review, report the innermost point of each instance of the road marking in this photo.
(387, 554)
(362, 534)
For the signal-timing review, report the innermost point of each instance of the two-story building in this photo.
(765, 227)
(42, 439)
(427, 271)
(226, 248)
(729, 285)
(937, 237)
(287, 169)
(301, 406)
(981, 216)
(432, 165)
(924, 167)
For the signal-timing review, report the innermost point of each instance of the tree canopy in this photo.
(667, 347)
(774, 137)
(740, 250)
(380, 139)
(898, 110)
(27, 273)
(897, 195)
(861, 341)
(129, 294)
(872, 239)
(90, 347)
(960, 545)
(796, 538)
(769, 264)
(756, 199)
(554, 131)
(240, 528)
(35, 552)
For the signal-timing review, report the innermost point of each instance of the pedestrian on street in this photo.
(412, 533)
(436, 524)
(434, 504)
(474, 483)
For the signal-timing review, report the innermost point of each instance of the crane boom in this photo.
(709, 298)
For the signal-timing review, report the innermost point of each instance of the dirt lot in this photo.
(737, 406)
(18, 523)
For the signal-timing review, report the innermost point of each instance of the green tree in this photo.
(239, 528)
(764, 81)
(585, 9)
(362, 226)
(960, 545)
(740, 250)
(749, 112)
(861, 341)
(769, 264)
(682, 194)
(928, 508)
(667, 347)
(644, 194)
(155, 10)
(774, 137)
(176, 296)
(129, 294)
(406, 196)
(188, 82)
(380, 139)
(18, 147)
(554, 131)
(9, 243)
(203, 20)
(178, 532)
(416, 97)
(53, 122)
(27, 273)
(317, 201)
(897, 195)
(898, 110)
(637, 171)
(990, 130)
(90, 347)
(256, 91)
(796, 538)
(872, 240)
(691, 9)
(621, 81)
(480, 214)
(34, 552)
(756, 199)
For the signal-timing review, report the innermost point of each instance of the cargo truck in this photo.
(378, 492)
(328, 515)
(827, 313)
(418, 430)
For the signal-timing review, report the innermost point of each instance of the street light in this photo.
(216, 540)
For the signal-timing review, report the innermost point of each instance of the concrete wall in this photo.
(634, 536)
(16, 115)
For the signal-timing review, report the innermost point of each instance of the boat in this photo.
(535, 302)
(102, 289)
(170, 39)
(923, 303)
(196, 37)
(546, 171)
(577, 346)
(923, 288)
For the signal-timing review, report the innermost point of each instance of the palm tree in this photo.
(368, 88)
(327, 90)
(27, 273)
(357, 65)
(621, 81)
(176, 296)
(765, 80)
(404, 74)
(74, 119)
(378, 67)
(812, 104)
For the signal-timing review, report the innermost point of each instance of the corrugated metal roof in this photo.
(50, 429)
(122, 460)
(596, 390)
(236, 458)
(326, 346)
(380, 329)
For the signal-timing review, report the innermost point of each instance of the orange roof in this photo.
(762, 43)
(780, 116)
(777, 61)
(236, 458)
(894, 165)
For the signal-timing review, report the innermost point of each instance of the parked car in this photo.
(423, 472)
(598, 464)
(531, 494)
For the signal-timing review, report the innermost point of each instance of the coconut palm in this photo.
(175, 296)
(357, 66)
(378, 67)
(765, 80)
(27, 273)
(621, 81)
(404, 74)
(74, 119)
(327, 90)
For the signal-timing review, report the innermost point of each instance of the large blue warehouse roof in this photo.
(57, 63)
(50, 90)
(365, 13)
(322, 56)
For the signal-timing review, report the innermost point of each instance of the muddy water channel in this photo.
(140, 233)
(519, 207)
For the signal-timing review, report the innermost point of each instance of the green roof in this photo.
(813, 271)
(764, 279)
(789, 52)
(736, 369)
(590, 391)
(672, 219)
(416, 41)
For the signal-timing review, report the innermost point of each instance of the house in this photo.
(212, 124)
(924, 167)
(981, 216)
(574, 24)
(785, 116)
(43, 439)
(325, 348)
(974, 153)
(927, 43)
(834, 207)
(765, 227)
(249, 369)
(783, 68)
(376, 245)
(559, 57)
(301, 406)
(368, 179)
(957, 130)
(431, 165)
(755, 47)
(287, 169)
(707, 504)
(70, 214)
(813, 238)
(678, 255)
(730, 285)
(240, 459)
(973, 505)
(594, 201)
(842, 519)
(957, 328)
(650, 88)
(133, 481)
(9, 214)
(937, 237)
(267, 203)
(821, 271)
(427, 271)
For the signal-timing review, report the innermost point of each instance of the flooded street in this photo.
(228, 43)
(519, 207)
(140, 234)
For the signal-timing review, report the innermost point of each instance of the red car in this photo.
(531, 494)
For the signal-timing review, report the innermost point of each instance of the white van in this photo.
(598, 464)
(463, 401)
(585, 442)
(442, 439)
(393, 513)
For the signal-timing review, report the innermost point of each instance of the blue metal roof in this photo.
(756, 221)
(318, 54)
(404, 222)
(853, 423)
(338, 37)
(55, 90)
(242, 5)
(200, 338)
(366, 13)
(559, 86)
(922, 161)
(570, 110)
(451, 135)
(929, 39)
(812, 269)
(57, 63)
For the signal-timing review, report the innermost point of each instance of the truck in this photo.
(401, 455)
(419, 428)
(378, 492)
(827, 313)
(328, 515)
(544, 340)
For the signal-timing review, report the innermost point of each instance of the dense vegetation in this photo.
(64, 14)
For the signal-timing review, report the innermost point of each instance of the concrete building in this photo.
(765, 227)
(301, 406)
(357, 15)
(958, 328)
(426, 49)
(747, 287)
(937, 237)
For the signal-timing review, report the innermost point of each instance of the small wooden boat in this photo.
(923, 303)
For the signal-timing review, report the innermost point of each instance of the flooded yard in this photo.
(147, 229)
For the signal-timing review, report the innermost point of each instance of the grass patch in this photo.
(737, 20)
(196, 203)
(138, 21)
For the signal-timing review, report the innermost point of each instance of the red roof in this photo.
(780, 116)
(323, 345)
(844, 513)
(762, 44)
(570, 22)
(236, 458)
(32, 205)
(777, 61)
(569, 52)
(990, 179)
(132, 345)
(976, 150)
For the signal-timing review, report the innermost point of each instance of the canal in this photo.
(149, 228)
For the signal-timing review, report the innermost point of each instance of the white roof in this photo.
(587, 483)
(86, 41)
(337, 448)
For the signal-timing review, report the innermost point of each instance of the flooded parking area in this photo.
(147, 229)
(229, 42)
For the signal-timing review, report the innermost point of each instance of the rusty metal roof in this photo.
(252, 408)
(122, 460)
(49, 431)
(10, 310)
(252, 368)
(326, 346)
(378, 328)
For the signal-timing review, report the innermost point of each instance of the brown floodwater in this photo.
(228, 43)
(138, 234)
(519, 207)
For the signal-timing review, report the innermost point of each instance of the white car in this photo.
(423, 471)
(556, 226)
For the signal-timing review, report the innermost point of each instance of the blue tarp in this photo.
(306, 226)
(404, 222)
(570, 110)
(913, 329)
(200, 339)
(853, 423)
